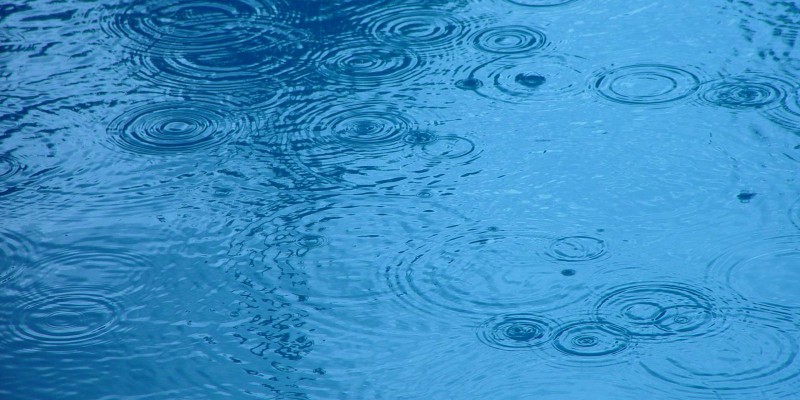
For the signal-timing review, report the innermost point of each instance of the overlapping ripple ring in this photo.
(645, 84)
(478, 271)
(787, 114)
(362, 63)
(752, 359)
(425, 28)
(762, 271)
(68, 316)
(192, 26)
(746, 91)
(540, 3)
(540, 79)
(164, 128)
(659, 309)
(591, 339)
(15, 253)
(577, 249)
(516, 331)
(512, 39)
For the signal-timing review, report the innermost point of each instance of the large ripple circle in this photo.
(114, 270)
(591, 339)
(483, 272)
(659, 310)
(513, 39)
(419, 28)
(360, 63)
(165, 128)
(192, 26)
(645, 84)
(763, 271)
(516, 331)
(541, 79)
(748, 91)
(66, 317)
(753, 359)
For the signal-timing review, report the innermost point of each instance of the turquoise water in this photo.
(341, 199)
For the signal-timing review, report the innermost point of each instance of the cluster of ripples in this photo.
(297, 200)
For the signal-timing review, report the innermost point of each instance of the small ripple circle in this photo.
(513, 39)
(173, 127)
(15, 253)
(645, 84)
(516, 331)
(447, 147)
(576, 249)
(750, 91)
(361, 63)
(67, 316)
(591, 339)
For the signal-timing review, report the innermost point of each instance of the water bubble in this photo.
(478, 271)
(762, 271)
(514, 39)
(69, 316)
(741, 92)
(469, 84)
(645, 84)
(540, 3)
(568, 272)
(543, 79)
(430, 29)
(753, 359)
(576, 249)
(164, 128)
(591, 339)
(362, 64)
(515, 331)
(659, 310)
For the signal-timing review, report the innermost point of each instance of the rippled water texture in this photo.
(374, 199)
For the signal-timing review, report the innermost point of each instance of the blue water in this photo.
(342, 199)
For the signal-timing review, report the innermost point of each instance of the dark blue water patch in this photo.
(661, 310)
(645, 84)
(512, 39)
(762, 270)
(745, 197)
(750, 91)
(516, 331)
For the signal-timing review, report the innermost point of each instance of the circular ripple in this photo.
(645, 84)
(787, 114)
(591, 339)
(576, 248)
(658, 310)
(65, 317)
(483, 272)
(15, 253)
(752, 359)
(540, 3)
(419, 28)
(364, 64)
(762, 271)
(514, 39)
(447, 147)
(9, 166)
(192, 26)
(545, 79)
(515, 331)
(172, 127)
(750, 91)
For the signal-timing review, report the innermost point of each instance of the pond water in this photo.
(343, 199)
